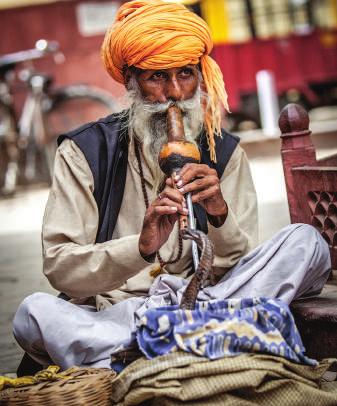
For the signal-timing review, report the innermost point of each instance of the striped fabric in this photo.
(223, 328)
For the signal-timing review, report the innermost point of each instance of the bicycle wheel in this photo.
(70, 107)
(9, 152)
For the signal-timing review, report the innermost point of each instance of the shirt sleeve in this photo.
(72, 261)
(239, 233)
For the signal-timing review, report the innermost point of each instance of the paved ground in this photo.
(20, 223)
(20, 264)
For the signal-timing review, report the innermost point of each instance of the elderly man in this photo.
(110, 232)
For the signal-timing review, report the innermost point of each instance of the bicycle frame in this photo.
(8, 132)
(19, 134)
(34, 135)
(32, 130)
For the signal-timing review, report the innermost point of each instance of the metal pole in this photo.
(192, 225)
(268, 102)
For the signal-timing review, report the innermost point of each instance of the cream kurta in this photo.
(77, 266)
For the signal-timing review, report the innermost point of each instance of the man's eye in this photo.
(187, 72)
(157, 75)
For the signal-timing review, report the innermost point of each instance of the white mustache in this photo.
(160, 108)
(148, 124)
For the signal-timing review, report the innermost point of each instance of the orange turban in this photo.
(152, 34)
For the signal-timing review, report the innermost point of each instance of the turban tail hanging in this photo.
(151, 34)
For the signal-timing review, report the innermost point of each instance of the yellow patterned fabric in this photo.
(185, 379)
(49, 374)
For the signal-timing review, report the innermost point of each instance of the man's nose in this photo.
(173, 90)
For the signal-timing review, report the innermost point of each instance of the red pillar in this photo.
(297, 149)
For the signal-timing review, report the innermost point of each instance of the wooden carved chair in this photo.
(311, 186)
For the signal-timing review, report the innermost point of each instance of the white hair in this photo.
(147, 123)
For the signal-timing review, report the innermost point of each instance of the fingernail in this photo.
(184, 203)
(179, 183)
(174, 209)
(177, 177)
(185, 211)
(181, 190)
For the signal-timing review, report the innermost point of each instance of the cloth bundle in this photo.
(221, 328)
(250, 379)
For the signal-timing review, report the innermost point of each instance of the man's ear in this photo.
(127, 73)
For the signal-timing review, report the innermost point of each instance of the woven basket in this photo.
(87, 386)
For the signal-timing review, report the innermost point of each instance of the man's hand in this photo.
(159, 220)
(203, 182)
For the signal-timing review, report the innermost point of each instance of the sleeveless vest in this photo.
(104, 144)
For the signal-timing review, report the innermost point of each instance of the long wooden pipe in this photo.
(176, 153)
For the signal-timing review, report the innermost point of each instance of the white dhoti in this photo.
(293, 264)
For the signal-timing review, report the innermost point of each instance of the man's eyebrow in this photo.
(135, 70)
(191, 66)
(138, 71)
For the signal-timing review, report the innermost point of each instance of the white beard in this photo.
(147, 123)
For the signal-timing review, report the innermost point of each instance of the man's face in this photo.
(174, 84)
(151, 93)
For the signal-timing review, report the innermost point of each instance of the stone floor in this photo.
(21, 217)
(20, 264)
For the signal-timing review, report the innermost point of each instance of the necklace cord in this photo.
(146, 201)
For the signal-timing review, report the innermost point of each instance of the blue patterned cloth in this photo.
(222, 328)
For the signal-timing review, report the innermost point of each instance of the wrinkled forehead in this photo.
(169, 70)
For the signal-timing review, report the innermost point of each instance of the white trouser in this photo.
(294, 263)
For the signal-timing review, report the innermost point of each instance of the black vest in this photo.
(104, 144)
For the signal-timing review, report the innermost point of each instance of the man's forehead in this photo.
(138, 71)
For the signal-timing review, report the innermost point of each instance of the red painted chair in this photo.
(311, 184)
(312, 197)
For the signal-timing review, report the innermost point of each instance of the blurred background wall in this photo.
(78, 27)
(294, 39)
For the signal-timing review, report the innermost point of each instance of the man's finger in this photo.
(172, 194)
(164, 210)
(169, 182)
(166, 202)
(192, 171)
(199, 184)
(205, 194)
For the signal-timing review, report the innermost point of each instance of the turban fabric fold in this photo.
(152, 34)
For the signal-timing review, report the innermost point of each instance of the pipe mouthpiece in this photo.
(175, 125)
